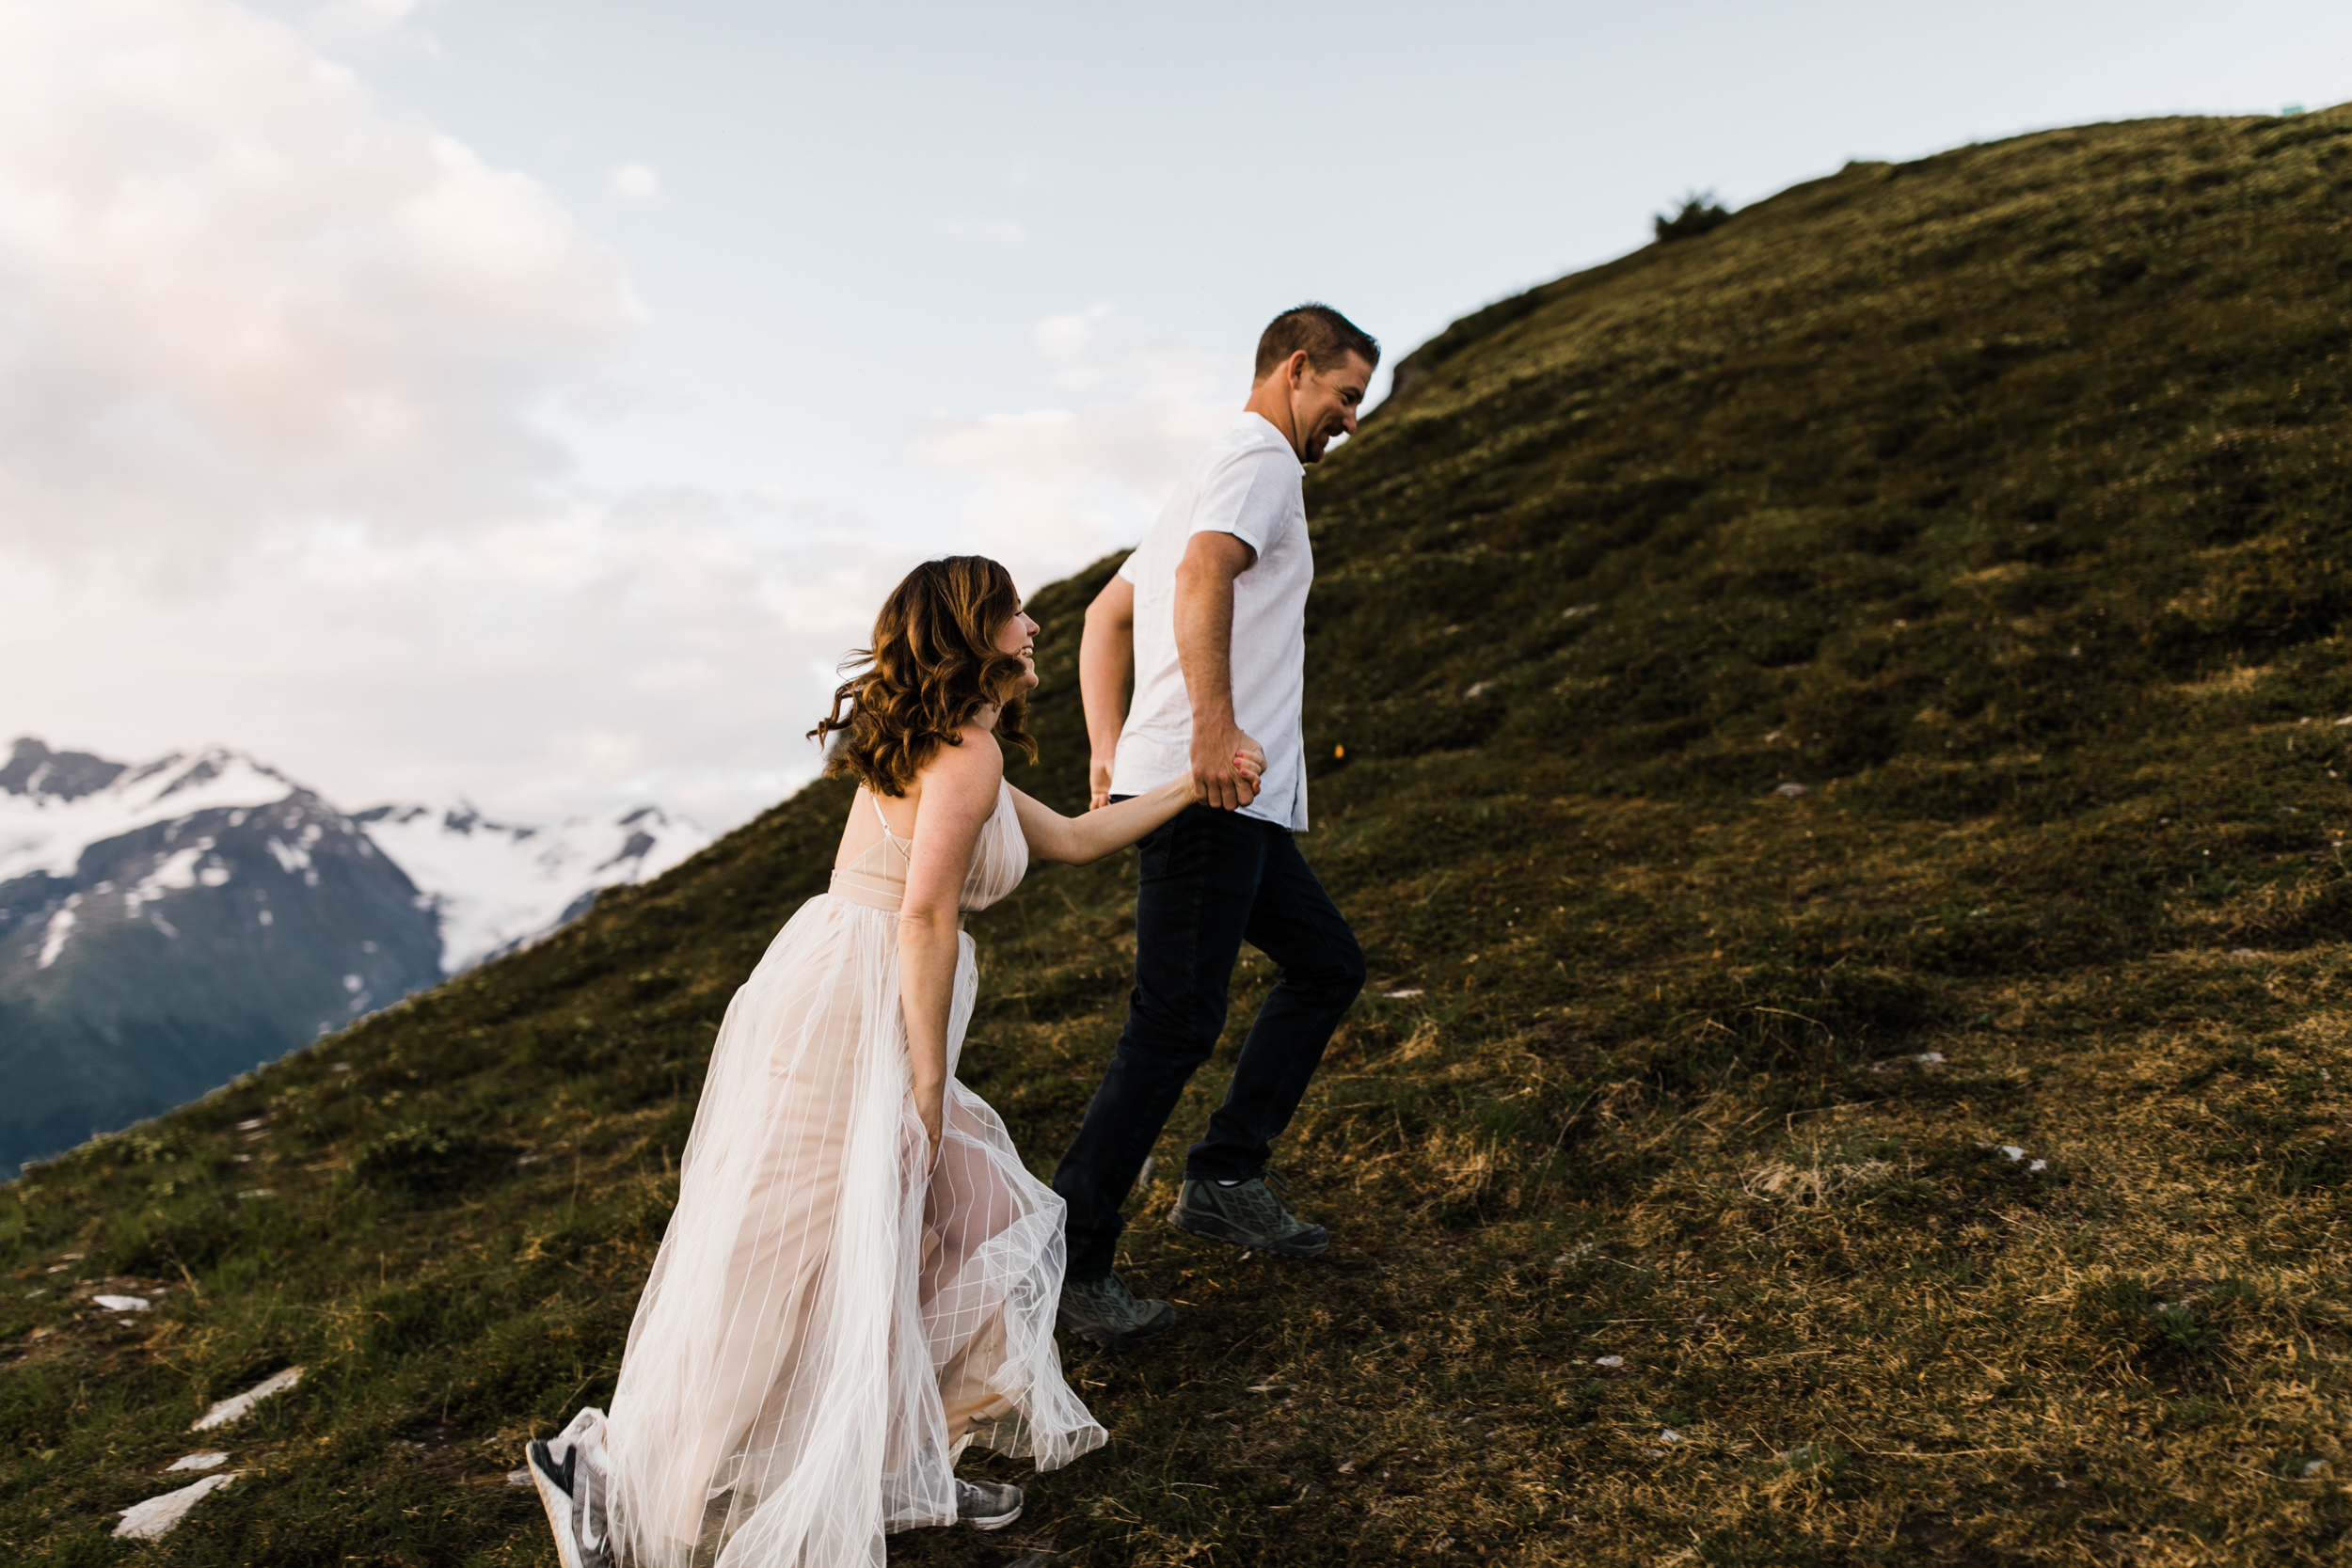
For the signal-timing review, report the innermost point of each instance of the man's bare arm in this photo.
(1106, 650)
(1204, 651)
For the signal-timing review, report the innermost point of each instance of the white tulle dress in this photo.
(828, 1323)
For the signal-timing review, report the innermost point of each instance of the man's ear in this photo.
(1297, 368)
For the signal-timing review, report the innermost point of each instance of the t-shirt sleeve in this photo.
(1127, 567)
(1249, 498)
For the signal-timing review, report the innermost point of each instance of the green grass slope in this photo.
(1945, 1162)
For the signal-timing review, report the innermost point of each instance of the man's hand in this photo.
(1106, 650)
(1226, 767)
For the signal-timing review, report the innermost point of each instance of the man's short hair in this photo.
(1327, 337)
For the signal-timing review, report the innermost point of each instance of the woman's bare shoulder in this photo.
(976, 768)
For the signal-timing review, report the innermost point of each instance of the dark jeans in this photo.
(1209, 881)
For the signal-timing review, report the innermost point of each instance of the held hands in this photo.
(1242, 776)
(1226, 769)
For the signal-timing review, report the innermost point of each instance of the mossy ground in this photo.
(1999, 501)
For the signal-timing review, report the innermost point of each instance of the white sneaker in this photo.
(571, 1471)
(987, 1504)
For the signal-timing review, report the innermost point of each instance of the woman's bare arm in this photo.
(960, 789)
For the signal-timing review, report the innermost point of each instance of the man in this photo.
(1211, 610)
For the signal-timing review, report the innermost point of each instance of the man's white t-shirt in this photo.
(1248, 483)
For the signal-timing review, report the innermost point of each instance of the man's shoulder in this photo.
(1254, 436)
(1251, 467)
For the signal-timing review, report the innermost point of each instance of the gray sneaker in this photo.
(1114, 1317)
(1248, 1214)
(987, 1504)
(569, 1472)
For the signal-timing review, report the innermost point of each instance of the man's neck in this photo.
(1267, 399)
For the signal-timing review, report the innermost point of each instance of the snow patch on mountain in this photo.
(497, 886)
(492, 885)
(54, 804)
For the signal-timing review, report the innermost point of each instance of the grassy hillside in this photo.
(1844, 733)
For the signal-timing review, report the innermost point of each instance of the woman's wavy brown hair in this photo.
(933, 664)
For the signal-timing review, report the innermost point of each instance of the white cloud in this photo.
(633, 181)
(999, 230)
(238, 297)
(1063, 485)
(367, 26)
(668, 645)
(279, 378)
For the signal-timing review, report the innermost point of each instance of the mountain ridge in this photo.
(143, 960)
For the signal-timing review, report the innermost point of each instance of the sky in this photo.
(530, 402)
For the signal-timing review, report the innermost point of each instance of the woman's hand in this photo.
(930, 1104)
(1250, 759)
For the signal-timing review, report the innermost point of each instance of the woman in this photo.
(860, 1277)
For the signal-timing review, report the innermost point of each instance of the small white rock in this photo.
(2012, 1153)
(2315, 1469)
(225, 1411)
(121, 1304)
(1401, 995)
(1791, 790)
(197, 1462)
(2037, 1166)
(146, 1521)
(1669, 1435)
(1607, 1360)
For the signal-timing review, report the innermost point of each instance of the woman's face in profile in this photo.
(1018, 637)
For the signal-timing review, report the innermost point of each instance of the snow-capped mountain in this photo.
(499, 885)
(165, 925)
(55, 804)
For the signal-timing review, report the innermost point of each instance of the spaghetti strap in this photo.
(884, 820)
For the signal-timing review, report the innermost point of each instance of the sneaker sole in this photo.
(1133, 1337)
(1219, 1229)
(557, 1503)
(997, 1521)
